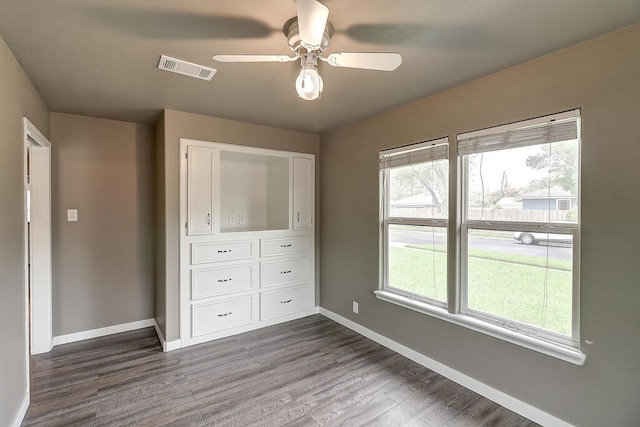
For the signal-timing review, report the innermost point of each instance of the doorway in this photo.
(37, 173)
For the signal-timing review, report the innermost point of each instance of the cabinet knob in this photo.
(224, 314)
(208, 218)
(285, 272)
(285, 302)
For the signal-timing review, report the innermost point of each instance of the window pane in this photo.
(420, 190)
(526, 277)
(530, 184)
(418, 260)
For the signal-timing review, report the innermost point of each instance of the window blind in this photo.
(559, 127)
(415, 153)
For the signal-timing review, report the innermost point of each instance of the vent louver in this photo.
(185, 68)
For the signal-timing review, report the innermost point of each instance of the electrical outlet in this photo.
(232, 219)
(242, 218)
(355, 307)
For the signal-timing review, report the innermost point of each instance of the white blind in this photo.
(415, 153)
(559, 127)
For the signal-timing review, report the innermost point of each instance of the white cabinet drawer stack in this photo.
(247, 246)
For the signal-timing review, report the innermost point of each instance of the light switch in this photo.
(72, 215)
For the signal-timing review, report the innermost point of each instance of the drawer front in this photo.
(293, 270)
(220, 281)
(215, 252)
(218, 316)
(269, 247)
(275, 304)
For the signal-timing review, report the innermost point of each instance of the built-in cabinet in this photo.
(247, 244)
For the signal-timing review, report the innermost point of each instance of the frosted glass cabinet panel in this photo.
(200, 190)
(254, 192)
(302, 193)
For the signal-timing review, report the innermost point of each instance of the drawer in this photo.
(279, 303)
(292, 270)
(219, 281)
(218, 316)
(288, 245)
(215, 252)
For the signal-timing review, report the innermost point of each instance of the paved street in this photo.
(487, 244)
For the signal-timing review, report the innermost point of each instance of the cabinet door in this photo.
(302, 193)
(200, 190)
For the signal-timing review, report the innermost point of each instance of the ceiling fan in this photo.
(308, 35)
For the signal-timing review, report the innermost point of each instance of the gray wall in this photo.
(185, 125)
(18, 98)
(603, 78)
(103, 265)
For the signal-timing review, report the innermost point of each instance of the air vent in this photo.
(185, 68)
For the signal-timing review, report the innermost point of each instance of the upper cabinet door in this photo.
(200, 190)
(303, 199)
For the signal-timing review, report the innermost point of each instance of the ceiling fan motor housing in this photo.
(291, 31)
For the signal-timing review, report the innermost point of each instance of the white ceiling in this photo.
(99, 58)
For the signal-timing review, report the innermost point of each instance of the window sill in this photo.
(568, 354)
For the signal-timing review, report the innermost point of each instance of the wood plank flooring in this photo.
(308, 372)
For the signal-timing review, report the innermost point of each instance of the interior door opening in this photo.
(38, 293)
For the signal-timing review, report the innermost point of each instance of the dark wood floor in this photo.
(308, 372)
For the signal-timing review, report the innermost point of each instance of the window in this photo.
(414, 200)
(516, 250)
(518, 269)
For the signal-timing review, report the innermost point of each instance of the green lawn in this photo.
(505, 285)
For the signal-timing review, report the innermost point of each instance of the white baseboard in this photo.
(166, 345)
(509, 402)
(95, 333)
(22, 411)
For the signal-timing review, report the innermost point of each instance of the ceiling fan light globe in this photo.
(309, 84)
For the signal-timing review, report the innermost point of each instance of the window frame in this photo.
(386, 221)
(456, 310)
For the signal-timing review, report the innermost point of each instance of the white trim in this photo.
(568, 354)
(531, 412)
(22, 411)
(100, 332)
(34, 133)
(166, 345)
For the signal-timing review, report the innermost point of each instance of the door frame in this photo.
(38, 280)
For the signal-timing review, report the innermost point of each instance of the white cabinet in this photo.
(210, 282)
(200, 190)
(247, 251)
(285, 301)
(284, 246)
(204, 252)
(221, 315)
(303, 193)
(288, 270)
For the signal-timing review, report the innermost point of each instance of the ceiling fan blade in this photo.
(254, 58)
(312, 20)
(382, 61)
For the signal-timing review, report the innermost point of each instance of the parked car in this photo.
(530, 238)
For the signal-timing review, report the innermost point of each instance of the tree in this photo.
(430, 177)
(561, 160)
(505, 191)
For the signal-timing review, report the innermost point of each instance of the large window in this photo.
(415, 197)
(516, 246)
